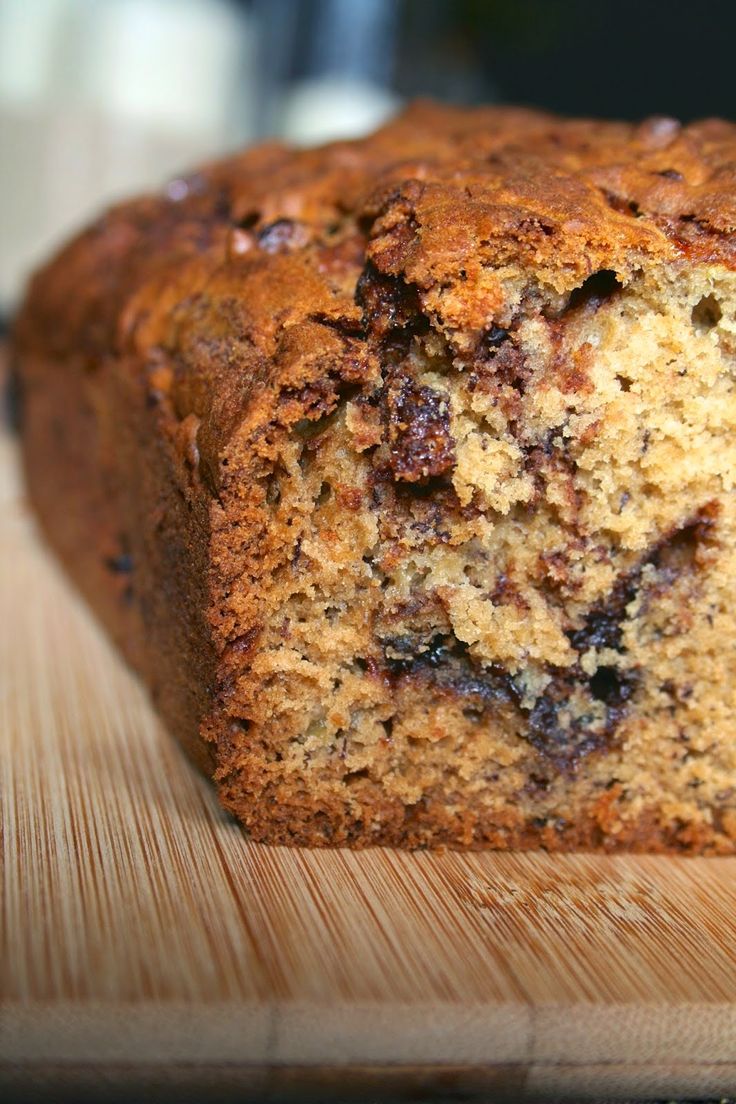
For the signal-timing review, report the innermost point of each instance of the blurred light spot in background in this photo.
(102, 98)
(99, 98)
(342, 72)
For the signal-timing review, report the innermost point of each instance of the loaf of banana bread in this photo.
(403, 471)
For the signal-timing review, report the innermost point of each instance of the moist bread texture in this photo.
(403, 471)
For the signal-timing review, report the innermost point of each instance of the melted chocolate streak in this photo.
(421, 453)
(445, 662)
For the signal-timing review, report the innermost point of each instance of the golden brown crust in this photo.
(281, 376)
(491, 184)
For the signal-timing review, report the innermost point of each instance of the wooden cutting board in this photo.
(148, 943)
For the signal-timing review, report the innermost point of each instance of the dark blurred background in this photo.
(102, 97)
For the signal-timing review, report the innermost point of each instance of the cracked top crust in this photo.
(246, 271)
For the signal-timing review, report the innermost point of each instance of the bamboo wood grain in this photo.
(141, 930)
